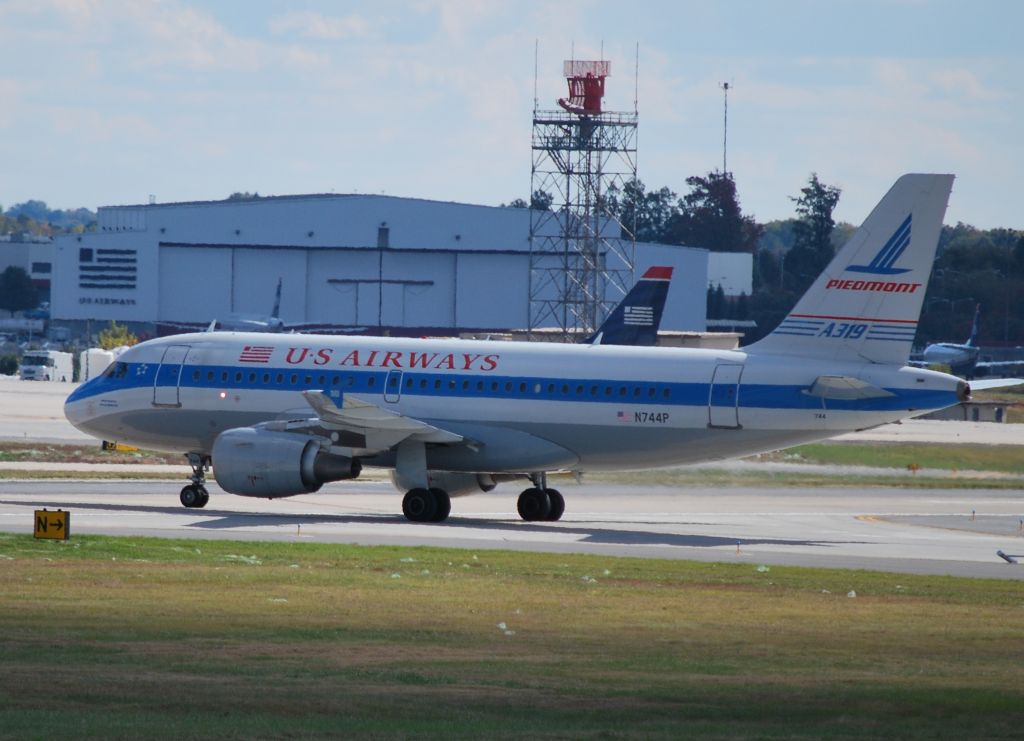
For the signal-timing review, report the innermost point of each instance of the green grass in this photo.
(129, 637)
(1002, 458)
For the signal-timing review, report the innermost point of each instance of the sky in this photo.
(106, 102)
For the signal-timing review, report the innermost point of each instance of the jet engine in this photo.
(457, 484)
(263, 463)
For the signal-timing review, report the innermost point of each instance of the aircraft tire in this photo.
(190, 496)
(419, 505)
(534, 505)
(444, 505)
(557, 505)
(204, 497)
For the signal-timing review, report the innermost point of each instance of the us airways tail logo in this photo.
(882, 264)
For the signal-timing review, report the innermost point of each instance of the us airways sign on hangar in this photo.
(403, 266)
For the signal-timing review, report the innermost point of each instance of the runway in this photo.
(898, 530)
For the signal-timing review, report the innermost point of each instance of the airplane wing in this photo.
(379, 427)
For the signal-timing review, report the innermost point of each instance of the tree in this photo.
(16, 290)
(812, 234)
(709, 216)
(645, 214)
(116, 335)
(541, 200)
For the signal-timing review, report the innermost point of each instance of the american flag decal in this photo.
(255, 354)
(638, 315)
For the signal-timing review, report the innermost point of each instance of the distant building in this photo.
(33, 255)
(347, 263)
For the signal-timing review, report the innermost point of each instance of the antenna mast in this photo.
(725, 125)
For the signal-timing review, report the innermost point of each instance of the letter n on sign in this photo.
(53, 525)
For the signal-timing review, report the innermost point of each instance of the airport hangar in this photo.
(347, 263)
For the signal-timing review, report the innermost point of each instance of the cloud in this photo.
(311, 25)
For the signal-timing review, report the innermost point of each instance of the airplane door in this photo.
(724, 398)
(393, 386)
(168, 375)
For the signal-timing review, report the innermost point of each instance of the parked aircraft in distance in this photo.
(636, 319)
(960, 357)
(280, 415)
(252, 322)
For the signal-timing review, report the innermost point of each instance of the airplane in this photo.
(636, 319)
(960, 357)
(252, 322)
(282, 415)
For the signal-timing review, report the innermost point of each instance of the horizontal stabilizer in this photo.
(995, 383)
(845, 388)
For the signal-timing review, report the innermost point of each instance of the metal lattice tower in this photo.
(581, 257)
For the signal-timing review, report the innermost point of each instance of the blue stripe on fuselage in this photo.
(537, 388)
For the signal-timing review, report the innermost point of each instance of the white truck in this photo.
(46, 365)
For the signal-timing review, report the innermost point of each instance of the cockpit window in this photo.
(116, 370)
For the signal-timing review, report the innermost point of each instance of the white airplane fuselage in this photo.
(525, 406)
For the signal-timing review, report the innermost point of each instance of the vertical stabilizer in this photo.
(636, 319)
(867, 302)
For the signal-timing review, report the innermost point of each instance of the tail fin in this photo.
(867, 302)
(276, 313)
(636, 319)
(972, 341)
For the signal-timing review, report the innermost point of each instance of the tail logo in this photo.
(882, 263)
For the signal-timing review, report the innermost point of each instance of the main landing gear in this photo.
(539, 502)
(195, 494)
(427, 505)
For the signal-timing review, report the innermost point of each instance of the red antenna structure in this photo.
(586, 86)
(581, 256)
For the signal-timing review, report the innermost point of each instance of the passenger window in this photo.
(622, 390)
(196, 375)
(465, 385)
(451, 384)
(536, 388)
(336, 380)
(651, 392)
(551, 388)
(522, 388)
(252, 378)
(437, 383)
(423, 383)
(280, 377)
(579, 390)
(371, 381)
(266, 378)
(295, 379)
(479, 385)
(565, 389)
(238, 376)
(666, 393)
(636, 391)
(309, 380)
(321, 380)
(224, 377)
(209, 375)
(508, 385)
(408, 383)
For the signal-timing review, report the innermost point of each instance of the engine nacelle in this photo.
(263, 463)
(456, 483)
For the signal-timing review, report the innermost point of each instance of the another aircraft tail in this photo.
(972, 341)
(867, 302)
(636, 319)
